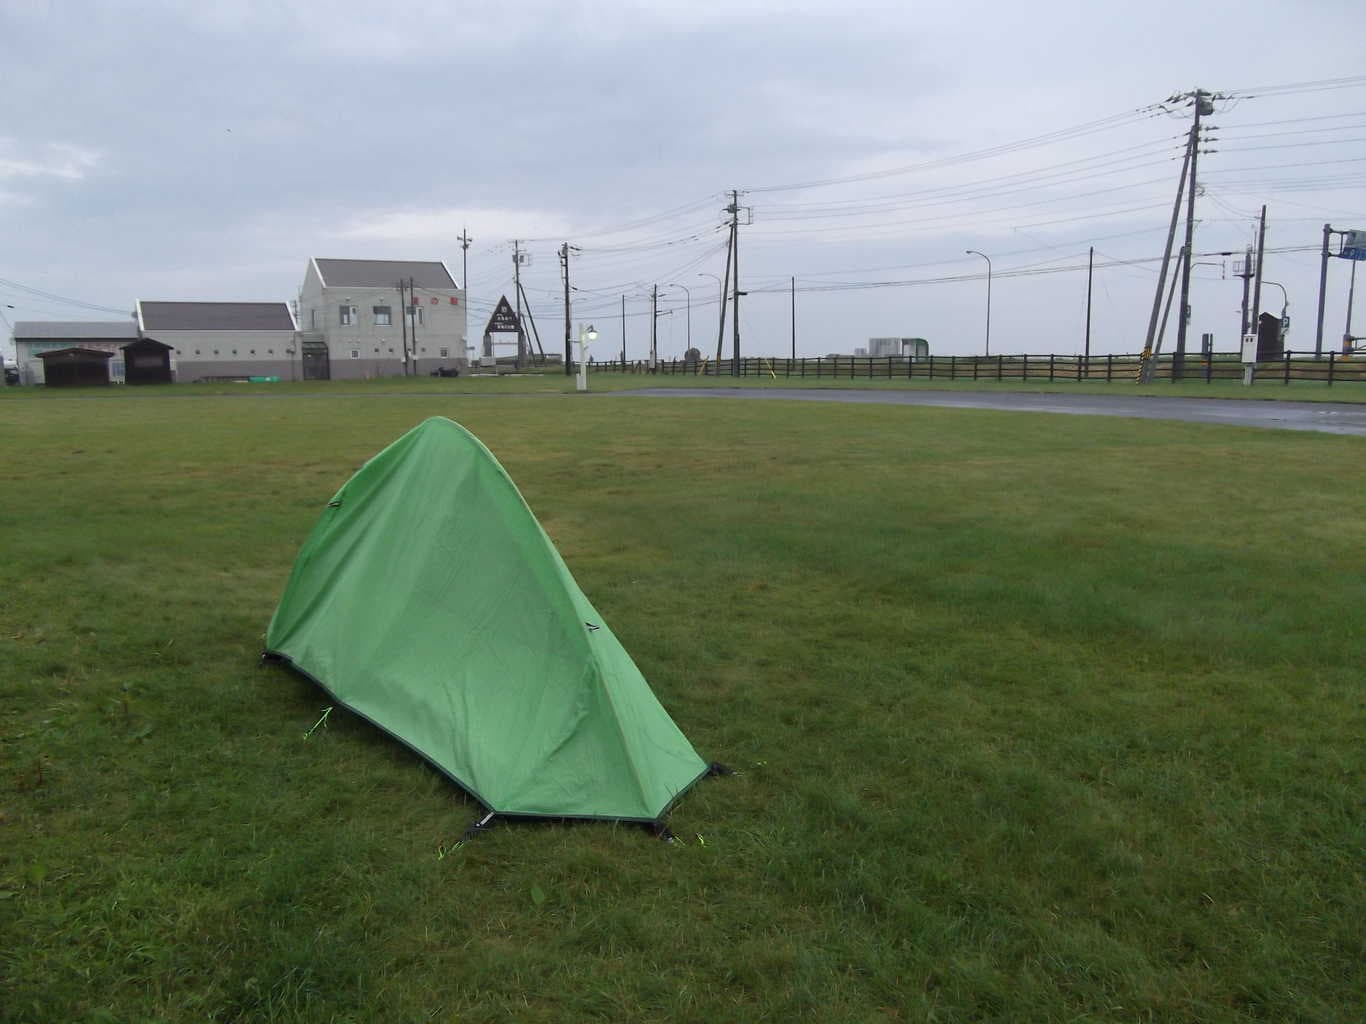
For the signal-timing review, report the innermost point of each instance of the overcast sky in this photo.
(207, 151)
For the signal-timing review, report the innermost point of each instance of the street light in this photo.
(587, 335)
(974, 252)
(688, 293)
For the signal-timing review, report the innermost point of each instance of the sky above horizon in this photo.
(166, 151)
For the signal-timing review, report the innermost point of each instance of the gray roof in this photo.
(215, 316)
(74, 330)
(383, 273)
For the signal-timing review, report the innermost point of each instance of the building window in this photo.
(414, 316)
(253, 351)
(355, 353)
(384, 316)
(348, 315)
(445, 352)
(270, 351)
(234, 351)
(215, 351)
(196, 351)
(391, 349)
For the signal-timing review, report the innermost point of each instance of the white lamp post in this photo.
(974, 252)
(587, 335)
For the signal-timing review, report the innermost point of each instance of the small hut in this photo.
(75, 367)
(146, 361)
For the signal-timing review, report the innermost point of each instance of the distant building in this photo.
(223, 340)
(34, 337)
(914, 348)
(351, 324)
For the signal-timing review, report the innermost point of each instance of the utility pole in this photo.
(1347, 339)
(654, 325)
(623, 334)
(1090, 269)
(412, 296)
(735, 305)
(568, 350)
(1246, 275)
(1162, 331)
(1149, 357)
(403, 321)
(1257, 288)
(465, 241)
(794, 318)
(1323, 290)
(1203, 104)
(517, 290)
(721, 330)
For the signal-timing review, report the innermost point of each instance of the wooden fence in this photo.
(1329, 369)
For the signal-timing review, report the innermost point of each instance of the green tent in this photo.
(429, 600)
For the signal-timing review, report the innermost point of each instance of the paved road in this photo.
(1326, 417)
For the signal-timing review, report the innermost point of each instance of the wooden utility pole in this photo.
(1202, 105)
(654, 325)
(1171, 294)
(412, 298)
(1257, 288)
(794, 318)
(735, 303)
(403, 321)
(1246, 275)
(517, 296)
(1149, 355)
(1323, 290)
(568, 351)
(623, 333)
(465, 241)
(721, 330)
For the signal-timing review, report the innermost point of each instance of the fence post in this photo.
(953, 367)
(974, 367)
(1109, 367)
(889, 367)
(1286, 379)
(853, 363)
(1051, 358)
(1331, 353)
(1209, 363)
(931, 366)
(1024, 375)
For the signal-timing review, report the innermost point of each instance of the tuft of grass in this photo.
(1038, 718)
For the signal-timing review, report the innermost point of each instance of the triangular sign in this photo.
(504, 320)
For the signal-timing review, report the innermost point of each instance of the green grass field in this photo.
(1039, 718)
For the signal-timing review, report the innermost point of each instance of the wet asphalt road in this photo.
(1324, 417)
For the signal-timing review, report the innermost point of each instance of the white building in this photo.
(381, 318)
(218, 340)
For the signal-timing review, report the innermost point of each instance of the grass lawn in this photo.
(1040, 718)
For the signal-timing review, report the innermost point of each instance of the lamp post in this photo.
(587, 335)
(974, 252)
(688, 293)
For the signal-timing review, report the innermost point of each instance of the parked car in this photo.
(11, 371)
